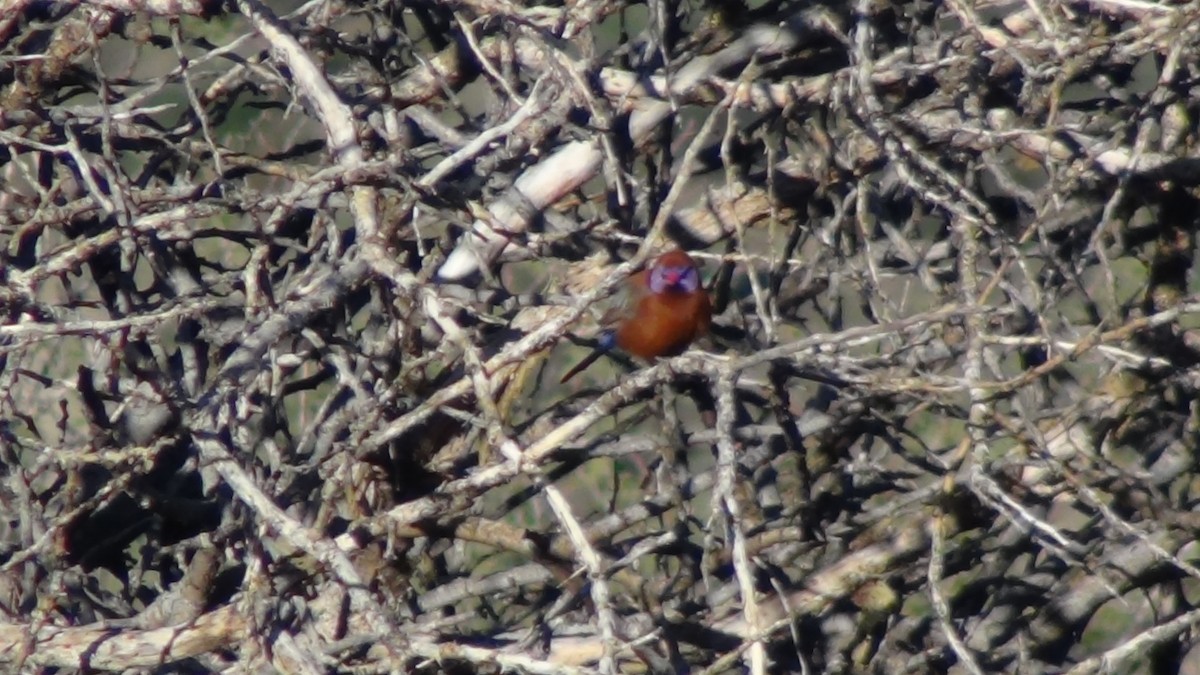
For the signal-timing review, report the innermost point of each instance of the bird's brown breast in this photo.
(665, 324)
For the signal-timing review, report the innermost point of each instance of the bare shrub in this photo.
(287, 293)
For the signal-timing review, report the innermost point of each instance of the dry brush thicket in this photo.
(287, 292)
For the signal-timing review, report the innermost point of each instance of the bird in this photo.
(665, 310)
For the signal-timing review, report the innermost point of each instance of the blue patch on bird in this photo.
(608, 339)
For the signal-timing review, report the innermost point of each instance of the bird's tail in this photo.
(607, 342)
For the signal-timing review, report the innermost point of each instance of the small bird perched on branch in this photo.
(665, 309)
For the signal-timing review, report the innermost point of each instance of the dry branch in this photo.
(284, 301)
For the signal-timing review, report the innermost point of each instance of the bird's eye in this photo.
(681, 279)
(689, 280)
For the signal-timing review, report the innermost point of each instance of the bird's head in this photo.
(674, 272)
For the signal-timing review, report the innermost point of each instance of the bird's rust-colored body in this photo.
(666, 309)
